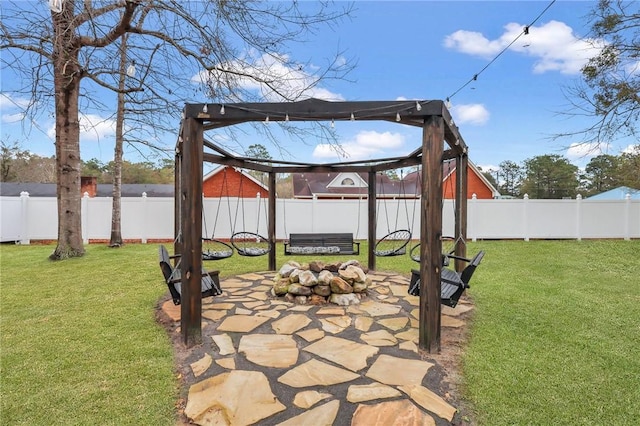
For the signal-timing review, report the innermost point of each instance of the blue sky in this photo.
(421, 50)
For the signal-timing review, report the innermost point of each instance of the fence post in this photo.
(472, 208)
(85, 218)
(525, 216)
(313, 209)
(627, 217)
(143, 225)
(579, 217)
(24, 218)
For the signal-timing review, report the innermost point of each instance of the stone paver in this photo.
(268, 350)
(392, 370)
(264, 348)
(351, 355)
(430, 401)
(224, 399)
(316, 373)
(360, 393)
(321, 415)
(307, 399)
(391, 413)
(241, 323)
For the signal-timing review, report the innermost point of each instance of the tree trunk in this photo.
(67, 76)
(116, 209)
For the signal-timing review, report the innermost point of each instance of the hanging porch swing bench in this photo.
(321, 243)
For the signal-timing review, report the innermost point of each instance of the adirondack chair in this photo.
(210, 279)
(452, 283)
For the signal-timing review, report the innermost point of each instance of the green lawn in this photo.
(554, 340)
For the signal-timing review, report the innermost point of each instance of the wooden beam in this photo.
(371, 233)
(271, 231)
(462, 171)
(177, 218)
(408, 112)
(190, 196)
(430, 233)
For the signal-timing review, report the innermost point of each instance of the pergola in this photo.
(438, 129)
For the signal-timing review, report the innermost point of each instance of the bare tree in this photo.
(608, 92)
(225, 44)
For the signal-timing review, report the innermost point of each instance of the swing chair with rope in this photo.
(395, 242)
(449, 243)
(245, 242)
(213, 248)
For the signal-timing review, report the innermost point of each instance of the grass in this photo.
(554, 339)
(556, 334)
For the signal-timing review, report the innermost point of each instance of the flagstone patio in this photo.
(269, 362)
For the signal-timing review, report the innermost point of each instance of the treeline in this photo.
(554, 176)
(18, 165)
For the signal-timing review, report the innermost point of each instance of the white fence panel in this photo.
(551, 219)
(10, 216)
(495, 219)
(42, 218)
(35, 218)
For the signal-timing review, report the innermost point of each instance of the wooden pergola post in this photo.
(190, 198)
(371, 203)
(462, 172)
(271, 225)
(430, 233)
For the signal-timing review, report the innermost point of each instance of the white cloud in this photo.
(470, 114)
(13, 118)
(8, 106)
(366, 144)
(631, 149)
(554, 46)
(92, 128)
(585, 150)
(274, 78)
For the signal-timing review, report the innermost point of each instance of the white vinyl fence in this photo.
(27, 218)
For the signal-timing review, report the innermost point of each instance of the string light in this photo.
(448, 104)
(333, 124)
(131, 69)
(418, 106)
(266, 120)
(525, 31)
(352, 117)
(222, 111)
(205, 109)
(55, 5)
(286, 118)
(398, 116)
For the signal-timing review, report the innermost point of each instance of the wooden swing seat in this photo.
(452, 283)
(210, 279)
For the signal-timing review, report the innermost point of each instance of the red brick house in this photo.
(226, 181)
(350, 184)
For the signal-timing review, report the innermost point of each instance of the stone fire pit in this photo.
(317, 283)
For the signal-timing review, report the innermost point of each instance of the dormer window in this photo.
(347, 182)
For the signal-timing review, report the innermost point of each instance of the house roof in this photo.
(619, 193)
(13, 189)
(306, 185)
(238, 170)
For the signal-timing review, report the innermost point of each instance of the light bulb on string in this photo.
(131, 69)
(353, 118)
(266, 119)
(222, 111)
(448, 103)
(398, 116)
(205, 109)
(286, 118)
(418, 106)
(333, 124)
